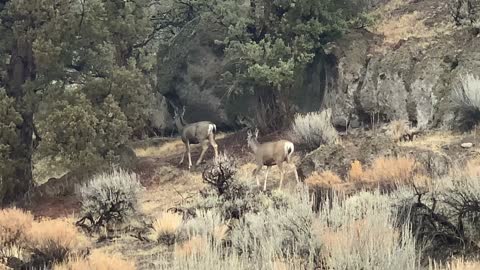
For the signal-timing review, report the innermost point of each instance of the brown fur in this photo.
(270, 154)
(202, 132)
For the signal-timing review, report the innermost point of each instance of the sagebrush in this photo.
(109, 199)
(314, 129)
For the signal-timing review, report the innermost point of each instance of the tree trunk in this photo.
(20, 69)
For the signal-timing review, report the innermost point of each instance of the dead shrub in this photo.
(397, 129)
(325, 179)
(356, 172)
(13, 225)
(96, 261)
(166, 227)
(388, 169)
(55, 240)
(220, 174)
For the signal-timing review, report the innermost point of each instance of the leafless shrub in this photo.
(314, 129)
(220, 174)
(466, 96)
(109, 198)
(398, 129)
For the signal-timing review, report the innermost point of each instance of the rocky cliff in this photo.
(403, 67)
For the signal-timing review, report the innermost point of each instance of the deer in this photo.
(202, 133)
(270, 154)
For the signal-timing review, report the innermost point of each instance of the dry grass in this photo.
(191, 247)
(169, 148)
(173, 187)
(245, 171)
(433, 142)
(96, 261)
(396, 25)
(472, 168)
(324, 179)
(220, 232)
(407, 26)
(166, 227)
(56, 238)
(356, 172)
(401, 170)
(457, 264)
(391, 169)
(13, 225)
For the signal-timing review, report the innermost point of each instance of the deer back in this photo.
(270, 153)
(197, 132)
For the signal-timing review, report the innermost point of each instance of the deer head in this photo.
(178, 114)
(252, 138)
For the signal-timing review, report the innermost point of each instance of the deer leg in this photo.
(211, 139)
(266, 176)
(189, 156)
(280, 167)
(183, 155)
(255, 172)
(204, 149)
(295, 172)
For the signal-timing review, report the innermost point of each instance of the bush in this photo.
(284, 232)
(109, 198)
(398, 129)
(349, 231)
(96, 261)
(446, 216)
(14, 223)
(166, 227)
(55, 240)
(220, 175)
(464, 11)
(466, 96)
(314, 129)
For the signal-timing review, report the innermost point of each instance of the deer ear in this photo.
(256, 132)
(183, 110)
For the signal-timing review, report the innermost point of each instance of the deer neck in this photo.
(253, 143)
(180, 123)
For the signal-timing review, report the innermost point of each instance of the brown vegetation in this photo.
(14, 223)
(96, 261)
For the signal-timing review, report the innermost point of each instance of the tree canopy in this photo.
(77, 77)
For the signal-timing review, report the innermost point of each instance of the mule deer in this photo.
(270, 154)
(202, 133)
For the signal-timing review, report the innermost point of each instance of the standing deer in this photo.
(270, 154)
(202, 132)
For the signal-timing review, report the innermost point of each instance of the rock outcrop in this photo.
(365, 76)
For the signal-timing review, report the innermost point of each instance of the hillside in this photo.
(388, 157)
